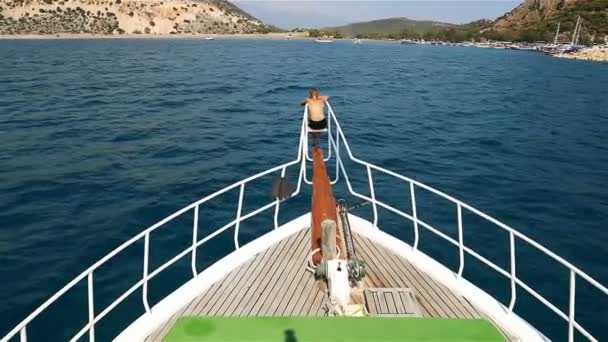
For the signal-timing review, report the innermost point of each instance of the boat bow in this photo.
(338, 151)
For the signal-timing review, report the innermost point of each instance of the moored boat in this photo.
(325, 39)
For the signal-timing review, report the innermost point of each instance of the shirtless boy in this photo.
(316, 110)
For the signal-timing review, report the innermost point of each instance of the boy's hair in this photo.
(313, 90)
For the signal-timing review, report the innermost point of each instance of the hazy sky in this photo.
(314, 14)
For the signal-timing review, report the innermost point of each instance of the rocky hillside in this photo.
(531, 21)
(539, 18)
(124, 17)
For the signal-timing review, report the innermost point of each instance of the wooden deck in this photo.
(275, 283)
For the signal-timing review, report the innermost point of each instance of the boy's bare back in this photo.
(316, 105)
(316, 108)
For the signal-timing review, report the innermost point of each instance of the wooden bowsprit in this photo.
(324, 213)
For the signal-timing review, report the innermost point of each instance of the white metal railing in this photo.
(575, 273)
(329, 151)
(94, 318)
(337, 143)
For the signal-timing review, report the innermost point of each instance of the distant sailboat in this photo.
(557, 48)
(325, 39)
(556, 33)
(553, 47)
(577, 32)
(574, 44)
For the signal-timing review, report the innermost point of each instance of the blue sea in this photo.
(99, 139)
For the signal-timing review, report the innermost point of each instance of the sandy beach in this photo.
(276, 36)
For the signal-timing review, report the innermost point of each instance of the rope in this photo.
(333, 308)
(359, 205)
(311, 265)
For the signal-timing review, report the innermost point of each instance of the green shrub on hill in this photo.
(325, 33)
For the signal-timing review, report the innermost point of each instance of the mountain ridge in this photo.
(388, 25)
(532, 20)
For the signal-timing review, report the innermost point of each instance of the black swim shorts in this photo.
(317, 125)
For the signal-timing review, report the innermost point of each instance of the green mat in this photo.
(300, 329)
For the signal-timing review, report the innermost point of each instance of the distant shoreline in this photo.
(198, 36)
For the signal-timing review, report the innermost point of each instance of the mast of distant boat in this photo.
(577, 32)
(556, 33)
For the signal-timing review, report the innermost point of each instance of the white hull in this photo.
(494, 310)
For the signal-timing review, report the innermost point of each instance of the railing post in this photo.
(328, 137)
(571, 307)
(144, 293)
(276, 213)
(238, 217)
(373, 195)
(91, 308)
(460, 242)
(513, 277)
(23, 335)
(194, 241)
(306, 156)
(278, 201)
(337, 155)
(414, 215)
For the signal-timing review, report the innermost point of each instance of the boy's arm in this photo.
(303, 103)
(324, 98)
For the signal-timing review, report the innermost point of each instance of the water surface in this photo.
(100, 139)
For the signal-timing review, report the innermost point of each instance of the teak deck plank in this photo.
(282, 280)
(240, 284)
(243, 287)
(390, 303)
(435, 306)
(249, 284)
(429, 308)
(254, 281)
(287, 280)
(316, 304)
(293, 291)
(399, 303)
(275, 282)
(299, 292)
(408, 278)
(310, 288)
(263, 279)
(225, 293)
